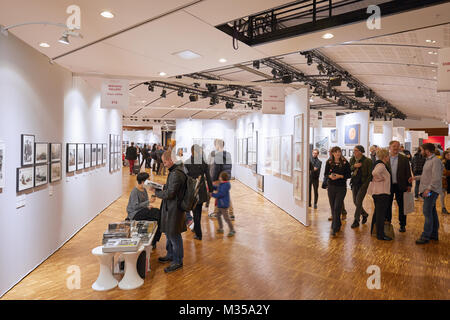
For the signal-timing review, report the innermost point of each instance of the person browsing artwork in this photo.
(222, 194)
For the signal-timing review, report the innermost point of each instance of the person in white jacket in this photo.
(380, 189)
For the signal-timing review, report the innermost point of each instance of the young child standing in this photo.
(223, 198)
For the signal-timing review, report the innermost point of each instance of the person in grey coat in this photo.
(172, 217)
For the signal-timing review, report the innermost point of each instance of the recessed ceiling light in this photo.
(107, 14)
(432, 52)
(187, 54)
(44, 45)
(433, 62)
(222, 60)
(162, 74)
(433, 70)
(431, 41)
(327, 36)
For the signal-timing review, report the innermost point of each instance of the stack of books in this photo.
(145, 229)
(122, 245)
(116, 231)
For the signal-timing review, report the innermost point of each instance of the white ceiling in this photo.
(180, 25)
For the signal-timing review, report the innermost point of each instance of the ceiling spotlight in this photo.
(64, 39)
(287, 78)
(274, 73)
(321, 68)
(256, 64)
(229, 105)
(253, 96)
(431, 41)
(162, 74)
(432, 52)
(222, 60)
(327, 36)
(236, 94)
(151, 88)
(107, 14)
(350, 85)
(243, 93)
(193, 97)
(180, 93)
(309, 60)
(44, 45)
(163, 93)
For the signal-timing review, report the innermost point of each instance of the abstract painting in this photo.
(286, 155)
(25, 178)
(27, 149)
(352, 134)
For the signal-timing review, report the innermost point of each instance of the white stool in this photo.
(131, 279)
(105, 280)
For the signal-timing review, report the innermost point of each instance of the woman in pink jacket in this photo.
(380, 189)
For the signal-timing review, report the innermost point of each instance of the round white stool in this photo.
(105, 280)
(131, 279)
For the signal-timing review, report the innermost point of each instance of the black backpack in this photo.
(190, 197)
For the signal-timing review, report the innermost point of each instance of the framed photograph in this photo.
(55, 152)
(93, 154)
(333, 135)
(40, 175)
(2, 165)
(276, 163)
(249, 151)
(87, 155)
(298, 128)
(286, 155)
(55, 171)
(104, 152)
(27, 145)
(111, 143)
(117, 161)
(99, 154)
(350, 153)
(71, 157)
(298, 156)
(268, 154)
(298, 185)
(41, 153)
(80, 156)
(344, 152)
(352, 132)
(250, 128)
(25, 178)
(321, 143)
(260, 182)
(245, 151)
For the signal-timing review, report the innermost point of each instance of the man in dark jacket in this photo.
(361, 168)
(159, 162)
(197, 167)
(314, 172)
(131, 156)
(222, 162)
(418, 162)
(172, 217)
(401, 181)
(145, 155)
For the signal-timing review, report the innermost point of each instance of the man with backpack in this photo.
(172, 213)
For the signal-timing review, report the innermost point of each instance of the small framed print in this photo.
(25, 178)
(55, 152)
(80, 156)
(298, 128)
(27, 145)
(344, 152)
(104, 153)
(298, 185)
(111, 162)
(87, 155)
(41, 153)
(55, 171)
(40, 175)
(71, 157)
(298, 156)
(93, 155)
(99, 154)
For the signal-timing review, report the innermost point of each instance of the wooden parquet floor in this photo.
(272, 256)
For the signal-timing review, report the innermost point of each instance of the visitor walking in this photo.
(417, 163)
(314, 172)
(131, 156)
(222, 195)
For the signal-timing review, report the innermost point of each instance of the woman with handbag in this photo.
(337, 170)
(380, 189)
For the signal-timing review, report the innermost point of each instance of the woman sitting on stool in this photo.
(140, 208)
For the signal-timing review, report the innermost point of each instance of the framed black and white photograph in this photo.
(25, 178)
(40, 175)
(104, 152)
(2, 165)
(41, 153)
(111, 143)
(350, 153)
(55, 152)
(344, 152)
(111, 162)
(71, 157)
(93, 155)
(80, 156)
(99, 154)
(27, 144)
(55, 171)
(87, 155)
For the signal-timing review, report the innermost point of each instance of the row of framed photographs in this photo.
(115, 154)
(38, 153)
(85, 155)
(38, 175)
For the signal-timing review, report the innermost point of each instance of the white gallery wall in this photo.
(141, 136)
(277, 189)
(381, 139)
(45, 100)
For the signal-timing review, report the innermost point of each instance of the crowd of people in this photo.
(385, 174)
(212, 173)
(152, 158)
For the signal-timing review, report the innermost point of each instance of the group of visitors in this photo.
(386, 174)
(151, 157)
(171, 219)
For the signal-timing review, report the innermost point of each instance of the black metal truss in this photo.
(306, 16)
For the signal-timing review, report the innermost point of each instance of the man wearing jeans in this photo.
(314, 172)
(430, 187)
(172, 217)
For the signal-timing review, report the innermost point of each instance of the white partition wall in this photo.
(279, 189)
(141, 136)
(59, 109)
(381, 139)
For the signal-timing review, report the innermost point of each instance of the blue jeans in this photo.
(431, 226)
(174, 247)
